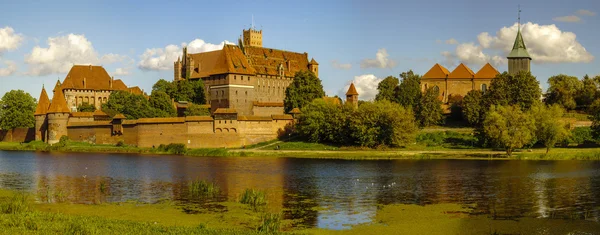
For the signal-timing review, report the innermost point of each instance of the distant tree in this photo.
(199, 94)
(521, 89)
(304, 89)
(408, 92)
(563, 90)
(382, 123)
(16, 110)
(183, 90)
(472, 107)
(455, 102)
(163, 104)
(587, 94)
(131, 105)
(385, 89)
(85, 107)
(594, 112)
(549, 128)
(323, 122)
(197, 110)
(509, 127)
(429, 110)
(164, 86)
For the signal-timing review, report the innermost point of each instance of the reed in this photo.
(203, 189)
(255, 198)
(18, 203)
(270, 223)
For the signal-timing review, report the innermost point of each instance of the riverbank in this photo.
(22, 215)
(320, 151)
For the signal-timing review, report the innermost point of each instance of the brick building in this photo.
(246, 77)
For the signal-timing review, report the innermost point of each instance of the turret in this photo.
(313, 66)
(352, 96)
(252, 37)
(519, 59)
(58, 116)
(41, 121)
(177, 69)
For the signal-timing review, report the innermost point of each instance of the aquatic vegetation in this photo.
(203, 189)
(271, 222)
(255, 198)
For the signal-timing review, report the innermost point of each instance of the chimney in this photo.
(90, 67)
(84, 83)
(112, 79)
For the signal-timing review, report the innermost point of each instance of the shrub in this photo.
(581, 135)
(120, 143)
(173, 148)
(254, 198)
(447, 139)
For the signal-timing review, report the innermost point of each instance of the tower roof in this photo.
(519, 50)
(487, 71)
(352, 90)
(313, 61)
(461, 71)
(437, 71)
(59, 104)
(43, 103)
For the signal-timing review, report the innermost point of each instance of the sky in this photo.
(353, 41)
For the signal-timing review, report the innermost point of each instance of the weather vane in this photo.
(519, 16)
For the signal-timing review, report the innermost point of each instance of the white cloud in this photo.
(122, 72)
(11, 67)
(9, 40)
(545, 44)
(381, 61)
(366, 86)
(62, 53)
(570, 19)
(337, 65)
(451, 41)
(584, 12)
(113, 58)
(163, 58)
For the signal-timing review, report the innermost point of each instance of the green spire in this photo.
(519, 50)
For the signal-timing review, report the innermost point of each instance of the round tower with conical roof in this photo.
(41, 121)
(58, 116)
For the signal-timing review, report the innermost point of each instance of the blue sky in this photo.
(360, 41)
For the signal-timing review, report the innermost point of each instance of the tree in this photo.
(85, 107)
(323, 122)
(162, 103)
(16, 110)
(472, 108)
(131, 105)
(304, 89)
(429, 109)
(563, 90)
(183, 90)
(509, 127)
(382, 123)
(199, 94)
(594, 112)
(521, 89)
(197, 110)
(385, 89)
(408, 93)
(549, 129)
(455, 102)
(587, 94)
(164, 86)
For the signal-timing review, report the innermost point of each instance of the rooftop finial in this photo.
(252, 21)
(519, 18)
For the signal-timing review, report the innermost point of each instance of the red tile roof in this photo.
(43, 103)
(59, 104)
(487, 71)
(352, 90)
(461, 71)
(437, 71)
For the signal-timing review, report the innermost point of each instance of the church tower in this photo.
(352, 96)
(519, 59)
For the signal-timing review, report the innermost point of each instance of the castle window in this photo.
(234, 77)
(436, 89)
(483, 88)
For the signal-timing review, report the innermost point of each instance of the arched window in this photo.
(483, 88)
(436, 89)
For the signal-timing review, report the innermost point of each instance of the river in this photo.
(334, 194)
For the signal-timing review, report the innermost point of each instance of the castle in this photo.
(246, 77)
(462, 79)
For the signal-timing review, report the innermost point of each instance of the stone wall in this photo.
(266, 110)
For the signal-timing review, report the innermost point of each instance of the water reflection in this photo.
(322, 193)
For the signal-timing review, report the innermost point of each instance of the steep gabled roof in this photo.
(437, 71)
(313, 61)
(43, 103)
(519, 50)
(267, 61)
(295, 111)
(95, 77)
(461, 71)
(119, 85)
(487, 71)
(59, 104)
(352, 90)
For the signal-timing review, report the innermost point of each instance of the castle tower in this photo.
(352, 96)
(519, 59)
(313, 66)
(253, 37)
(58, 116)
(177, 69)
(41, 121)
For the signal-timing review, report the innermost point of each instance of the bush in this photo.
(173, 148)
(580, 135)
(120, 143)
(19, 203)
